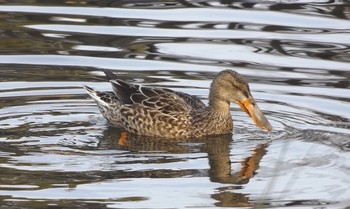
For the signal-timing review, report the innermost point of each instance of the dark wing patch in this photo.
(124, 90)
(109, 74)
(138, 98)
(148, 92)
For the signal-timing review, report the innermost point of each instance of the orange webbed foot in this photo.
(122, 139)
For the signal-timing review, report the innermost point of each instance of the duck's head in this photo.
(229, 86)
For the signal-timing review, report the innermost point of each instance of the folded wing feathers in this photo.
(109, 75)
(162, 99)
(124, 90)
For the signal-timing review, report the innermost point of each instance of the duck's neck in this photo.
(219, 116)
(218, 106)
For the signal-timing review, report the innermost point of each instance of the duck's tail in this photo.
(101, 98)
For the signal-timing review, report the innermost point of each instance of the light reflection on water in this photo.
(57, 150)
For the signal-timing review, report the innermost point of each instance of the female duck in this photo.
(165, 113)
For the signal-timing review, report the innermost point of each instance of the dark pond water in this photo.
(57, 151)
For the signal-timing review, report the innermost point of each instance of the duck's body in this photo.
(166, 113)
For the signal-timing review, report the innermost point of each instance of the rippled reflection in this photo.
(218, 153)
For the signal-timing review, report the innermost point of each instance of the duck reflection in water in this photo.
(217, 149)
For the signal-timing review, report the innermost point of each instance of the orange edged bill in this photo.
(252, 109)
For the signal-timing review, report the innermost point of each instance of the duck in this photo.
(162, 112)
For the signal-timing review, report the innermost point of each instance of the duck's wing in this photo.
(162, 100)
(191, 100)
(121, 89)
(159, 98)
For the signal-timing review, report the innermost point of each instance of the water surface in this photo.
(56, 150)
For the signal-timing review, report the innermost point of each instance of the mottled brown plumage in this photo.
(161, 112)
